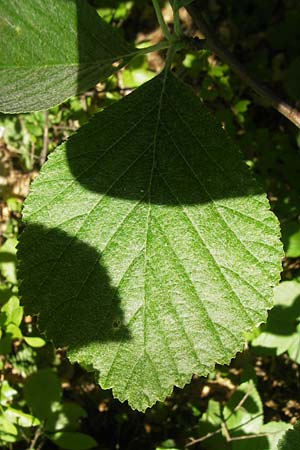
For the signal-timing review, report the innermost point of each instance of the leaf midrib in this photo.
(75, 64)
(155, 141)
(51, 66)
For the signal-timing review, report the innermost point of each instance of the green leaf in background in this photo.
(247, 419)
(291, 439)
(240, 420)
(35, 342)
(291, 238)
(7, 393)
(42, 392)
(8, 431)
(267, 438)
(8, 258)
(11, 312)
(66, 416)
(282, 330)
(53, 50)
(243, 415)
(110, 10)
(20, 418)
(72, 441)
(155, 246)
(13, 331)
(136, 73)
(168, 444)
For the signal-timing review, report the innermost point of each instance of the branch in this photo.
(215, 46)
(203, 438)
(37, 434)
(44, 152)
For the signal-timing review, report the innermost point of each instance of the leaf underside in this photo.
(149, 248)
(51, 51)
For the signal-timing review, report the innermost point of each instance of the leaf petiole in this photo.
(177, 24)
(163, 45)
(168, 35)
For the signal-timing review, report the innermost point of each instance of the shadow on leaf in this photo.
(76, 289)
(159, 145)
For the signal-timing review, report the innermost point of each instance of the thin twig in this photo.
(44, 151)
(224, 427)
(226, 431)
(240, 404)
(161, 20)
(230, 438)
(203, 438)
(253, 436)
(37, 434)
(213, 44)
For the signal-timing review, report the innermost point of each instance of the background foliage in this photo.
(45, 401)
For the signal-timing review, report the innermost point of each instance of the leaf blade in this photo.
(167, 221)
(51, 52)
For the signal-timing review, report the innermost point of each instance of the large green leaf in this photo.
(52, 50)
(149, 247)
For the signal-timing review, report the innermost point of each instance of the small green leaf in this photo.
(13, 331)
(8, 431)
(291, 238)
(7, 393)
(42, 391)
(53, 50)
(168, 444)
(72, 441)
(156, 248)
(20, 418)
(35, 342)
(136, 73)
(8, 260)
(294, 346)
(13, 312)
(65, 417)
(281, 331)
